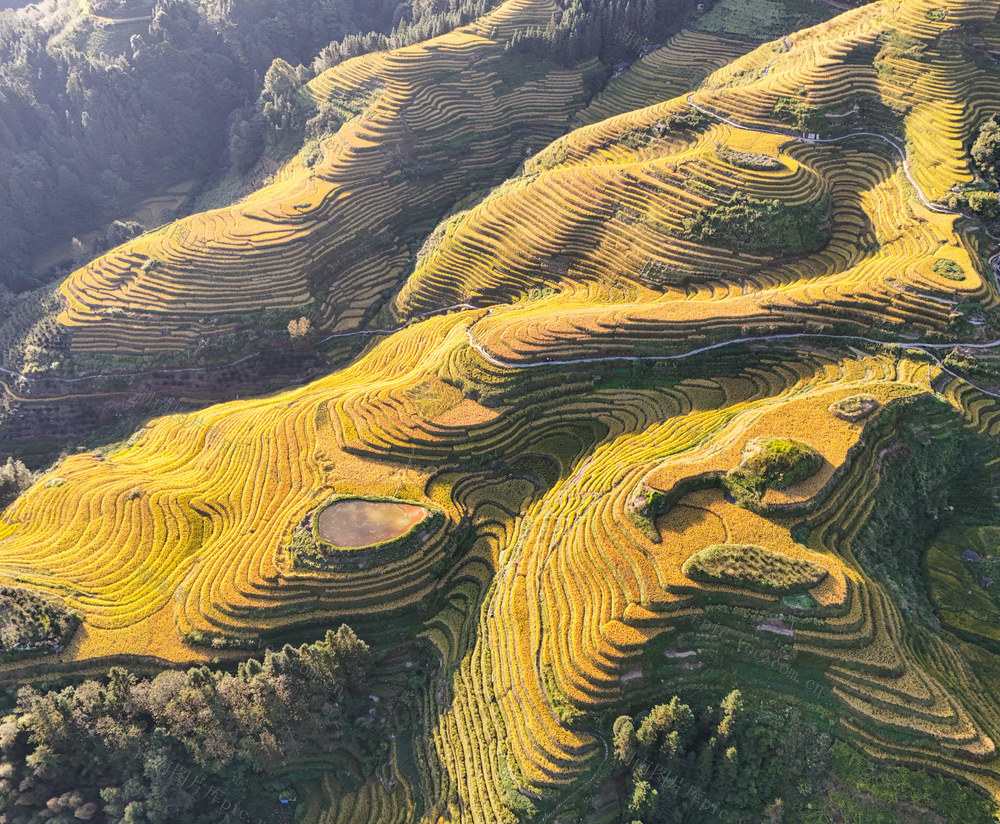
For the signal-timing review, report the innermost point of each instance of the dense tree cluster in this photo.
(609, 29)
(986, 148)
(188, 746)
(981, 197)
(678, 765)
(765, 227)
(801, 115)
(32, 624)
(86, 130)
(15, 477)
(613, 30)
(413, 22)
(920, 481)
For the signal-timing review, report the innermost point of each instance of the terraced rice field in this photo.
(677, 68)
(573, 378)
(891, 55)
(640, 175)
(173, 525)
(437, 121)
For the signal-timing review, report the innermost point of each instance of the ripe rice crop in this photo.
(573, 388)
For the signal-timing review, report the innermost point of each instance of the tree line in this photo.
(195, 746)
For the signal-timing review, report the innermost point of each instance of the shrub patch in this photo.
(753, 567)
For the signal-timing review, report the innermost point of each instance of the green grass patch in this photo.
(798, 113)
(770, 463)
(948, 269)
(635, 139)
(661, 274)
(760, 20)
(691, 120)
(747, 160)
(752, 567)
(741, 18)
(800, 601)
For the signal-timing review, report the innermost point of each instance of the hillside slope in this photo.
(619, 198)
(332, 236)
(678, 402)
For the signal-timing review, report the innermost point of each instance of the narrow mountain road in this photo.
(23, 379)
(114, 21)
(928, 348)
(119, 21)
(934, 207)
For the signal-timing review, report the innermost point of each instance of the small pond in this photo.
(352, 523)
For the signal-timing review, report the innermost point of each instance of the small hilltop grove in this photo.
(710, 528)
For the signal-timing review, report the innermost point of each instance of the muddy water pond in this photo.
(352, 523)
